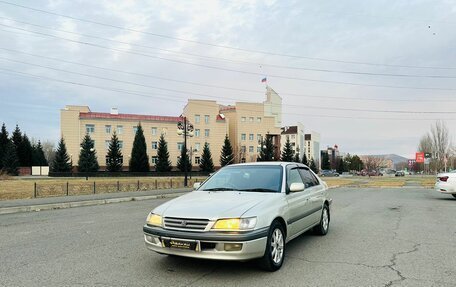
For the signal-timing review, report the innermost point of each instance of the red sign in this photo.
(419, 157)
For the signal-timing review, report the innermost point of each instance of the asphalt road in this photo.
(377, 237)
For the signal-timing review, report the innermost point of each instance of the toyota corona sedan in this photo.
(242, 212)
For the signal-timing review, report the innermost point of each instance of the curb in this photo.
(63, 205)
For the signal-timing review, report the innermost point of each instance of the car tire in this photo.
(271, 260)
(454, 195)
(323, 227)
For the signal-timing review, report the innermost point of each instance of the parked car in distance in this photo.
(242, 212)
(375, 173)
(328, 173)
(446, 183)
(399, 173)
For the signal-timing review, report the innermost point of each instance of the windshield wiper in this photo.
(219, 189)
(260, 190)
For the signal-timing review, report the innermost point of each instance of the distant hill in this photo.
(393, 157)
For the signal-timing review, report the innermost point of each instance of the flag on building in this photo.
(263, 80)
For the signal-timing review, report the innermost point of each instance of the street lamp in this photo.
(185, 129)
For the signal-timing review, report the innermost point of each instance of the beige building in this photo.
(246, 124)
(312, 147)
(296, 136)
(250, 123)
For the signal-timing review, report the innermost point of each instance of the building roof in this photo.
(95, 115)
(290, 130)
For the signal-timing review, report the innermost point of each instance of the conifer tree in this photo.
(340, 166)
(206, 163)
(87, 156)
(296, 157)
(114, 155)
(139, 161)
(288, 152)
(62, 160)
(4, 140)
(325, 164)
(16, 137)
(304, 160)
(226, 156)
(163, 163)
(25, 151)
(38, 158)
(267, 150)
(184, 161)
(10, 160)
(313, 166)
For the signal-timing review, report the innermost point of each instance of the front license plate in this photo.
(179, 244)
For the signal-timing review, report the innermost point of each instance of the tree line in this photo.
(17, 151)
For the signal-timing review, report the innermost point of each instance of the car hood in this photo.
(214, 204)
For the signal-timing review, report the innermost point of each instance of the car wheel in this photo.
(323, 227)
(454, 195)
(274, 253)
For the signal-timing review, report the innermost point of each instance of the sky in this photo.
(369, 76)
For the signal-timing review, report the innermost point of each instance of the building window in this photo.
(250, 119)
(119, 130)
(206, 132)
(242, 137)
(243, 160)
(154, 145)
(197, 146)
(251, 148)
(120, 144)
(243, 119)
(197, 133)
(293, 137)
(259, 120)
(251, 137)
(108, 129)
(259, 137)
(243, 149)
(197, 119)
(206, 119)
(107, 144)
(180, 146)
(154, 159)
(258, 149)
(90, 129)
(135, 129)
(197, 160)
(154, 131)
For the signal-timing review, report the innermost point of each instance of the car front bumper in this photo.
(209, 245)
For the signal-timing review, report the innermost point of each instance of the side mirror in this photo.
(296, 186)
(196, 185)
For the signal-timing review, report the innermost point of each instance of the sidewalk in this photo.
(48, 203)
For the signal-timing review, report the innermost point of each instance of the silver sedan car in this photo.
(242, 212)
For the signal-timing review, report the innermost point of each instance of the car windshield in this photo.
(249, 178)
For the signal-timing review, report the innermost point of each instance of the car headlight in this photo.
(235, 223)
(154, 219)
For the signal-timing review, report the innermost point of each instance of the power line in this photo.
(233, 70)
(214, 86)
(238, 61)
(210, 96)
(9, 71)
(218, 45)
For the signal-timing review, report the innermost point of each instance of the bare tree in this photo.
(441, 144)
(373, 162)
(425, 144)
(49, 150)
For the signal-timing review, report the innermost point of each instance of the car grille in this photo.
(189, 224)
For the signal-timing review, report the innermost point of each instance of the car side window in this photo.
(308, 178)
(293, 176)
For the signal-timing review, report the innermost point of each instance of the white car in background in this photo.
(446, 183)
